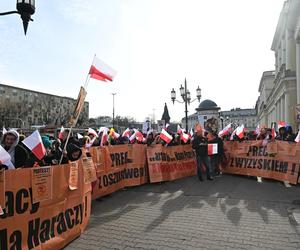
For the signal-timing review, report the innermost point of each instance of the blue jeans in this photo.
(206, 161)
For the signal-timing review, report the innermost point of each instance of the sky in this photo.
(222, 46)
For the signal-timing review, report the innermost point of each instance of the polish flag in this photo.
(4, 156)
(191, 133)
(139, 136)
(225, 131)
(179, 130)
(184, 137)
(212, 149)
(273, 131)
(101, 71)
(281, 124)
(257, 130)
(104, 138)
(297, 139)
(60, 135)
(164, 135)
(126, 133)
(240, 131)
(92, 132)
(35, 144)
(232, 134)
(114, 134)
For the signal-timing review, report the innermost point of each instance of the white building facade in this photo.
(280, 89)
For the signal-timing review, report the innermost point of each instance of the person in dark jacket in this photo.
(200, 146)
(290, 136)
(18, 153)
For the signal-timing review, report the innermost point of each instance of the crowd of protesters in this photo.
(67, 148)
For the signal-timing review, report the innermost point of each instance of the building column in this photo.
(288, 118)
(290, 50)
(298, 69)
(283, 108)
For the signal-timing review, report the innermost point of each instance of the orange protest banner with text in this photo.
(51, 223)
(171, 163)
(277, 160)
(119, 166)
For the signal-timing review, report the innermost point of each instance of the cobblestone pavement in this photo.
(231, 212)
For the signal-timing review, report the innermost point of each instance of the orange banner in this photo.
(170, 163)
(277, 160)
(117, 167)
(50, 223)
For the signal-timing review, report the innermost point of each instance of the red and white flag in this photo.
(114, 134)
(104, 138)
(240, 131)
(35, 144)
(273, 131)
(212, 149)
(184, 137)
(139, 136)
(191, 133)
(281, 124)
(257, 130)
(60, 135)
(126, 133)
(92, 132)
(233, 134)
(225, 130)
(297, 139)
(179, 130)
(164, 135)
(101, 71)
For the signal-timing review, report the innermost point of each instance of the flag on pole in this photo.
(240, 131)
(35, 144)
(139, 136)
(273, 131)
(113, 134)
(212, 148)
(104, 137)
(184, 137)
(233, 134)
(92, 132)
(179, 129)
(126, 133)
(225, 130)
(60, 135)
(101, 71)
(191, 133)
(281, 124)
(257, 130)
(164, 135)
(297, 139)
(4, 156)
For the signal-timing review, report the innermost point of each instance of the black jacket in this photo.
(200, 145)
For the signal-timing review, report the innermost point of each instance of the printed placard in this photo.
(89, 171)
(73, 177)
(41, 181)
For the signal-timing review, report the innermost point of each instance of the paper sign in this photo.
(41, 181)
(4, 156)
(89, 171)
(78, 107)
(73, 178)
(2, 188)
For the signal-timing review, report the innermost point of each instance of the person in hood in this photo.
(18, 154)
(73, 152)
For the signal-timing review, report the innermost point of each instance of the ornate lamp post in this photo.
(186, 97)
(25, 8)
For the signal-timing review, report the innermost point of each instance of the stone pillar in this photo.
(288, 108)
(283, 108)
(290, 50)
(298, 69)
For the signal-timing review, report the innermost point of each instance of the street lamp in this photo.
(113, 94)
(186, 97)
(25, 8)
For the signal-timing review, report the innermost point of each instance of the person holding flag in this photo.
(200, 145)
